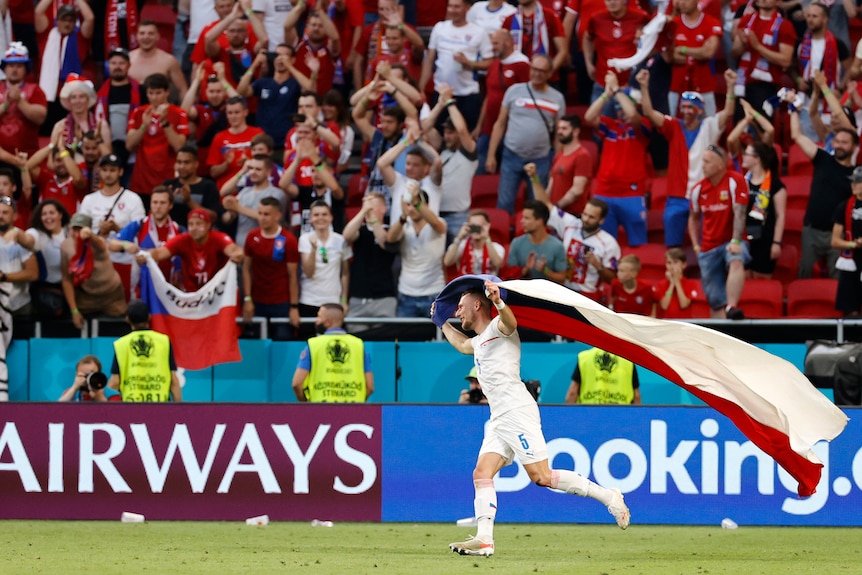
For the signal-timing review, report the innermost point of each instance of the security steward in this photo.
(604, 378)
(144, 369)
(334, 367)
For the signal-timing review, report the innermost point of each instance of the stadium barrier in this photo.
(398, 463)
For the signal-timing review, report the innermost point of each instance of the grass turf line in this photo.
(188, 548)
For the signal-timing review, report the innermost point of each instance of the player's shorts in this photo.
(516, 433)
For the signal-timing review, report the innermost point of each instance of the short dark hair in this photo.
(320, 204)
(852, 133)
(163, 190)
(36, 216)
(288, 46)
(601, 204)
(264, 139)
(267, 160)
(417, 151)
(92, 135)
(574, 121)
(539, 209)
(237, 100)
(7, 173)
(157, 82)
(309, 94)
(90, 358)
(270, 201)
(395, 112)
(480, 295)
(676, 254)
(148, 23)
(189, 149)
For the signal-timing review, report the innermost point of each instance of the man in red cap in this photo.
(202, 251)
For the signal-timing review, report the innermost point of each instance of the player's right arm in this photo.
(458, 340)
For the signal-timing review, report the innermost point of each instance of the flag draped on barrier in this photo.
(201, 325)
(766, 397)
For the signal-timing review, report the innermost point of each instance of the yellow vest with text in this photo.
(605, 378)
(337, 369)
(144, 359)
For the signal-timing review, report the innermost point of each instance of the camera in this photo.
(475, 229)
(96, 380)
(476, 395)
(298, 118)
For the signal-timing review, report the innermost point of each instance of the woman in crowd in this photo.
(767, 206)
(335, 111)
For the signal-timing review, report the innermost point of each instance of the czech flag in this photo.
(201, 325)
(766, 397)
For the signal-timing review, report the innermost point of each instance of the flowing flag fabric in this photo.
(766, 397)
(201, 325)
(648, 38)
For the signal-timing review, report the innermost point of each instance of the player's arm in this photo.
(508, 323)
(458, 340)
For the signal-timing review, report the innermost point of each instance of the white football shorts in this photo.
(516, 433)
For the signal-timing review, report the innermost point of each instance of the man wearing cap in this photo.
(17, 265)
(91, 285)
(158, 130)
(65, 47)
(23, 106)
(149, 59)
(474, 394)
(716, 225)
(118, 98)
(202, 251)
(144, 369)
(334, 367)
(688, 138)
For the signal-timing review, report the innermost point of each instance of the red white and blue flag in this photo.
(765, 396)
(201, 325)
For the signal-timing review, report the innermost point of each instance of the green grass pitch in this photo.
(107, 547)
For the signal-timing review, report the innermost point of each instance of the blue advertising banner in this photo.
(676, 465)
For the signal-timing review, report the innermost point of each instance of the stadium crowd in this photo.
(687, 163)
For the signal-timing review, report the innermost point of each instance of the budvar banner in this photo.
(187, 461)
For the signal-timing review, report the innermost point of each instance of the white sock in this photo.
(485, 508)
(576, 484)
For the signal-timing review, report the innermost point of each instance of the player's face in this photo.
(148, 37)
(236, 115)
(466, 311)
(591, 218)
(198, 229)
(110, 175)
(267, 217)
(51, 218)
(160, 206)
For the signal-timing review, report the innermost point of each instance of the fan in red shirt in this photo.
(675, 293)
(319, 40)
(611, 33)
(58, 179)
(571, 169)
(326, 135)
(23, 106)
(156, 131)
(695, 42)
(630, 294)
(202, 251)
(719, 204)
(247, 35)
(401, 51)
(372, 42)
(230, 148)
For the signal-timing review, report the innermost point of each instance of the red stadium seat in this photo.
(812, 298)
(779, 156)
(798, 189)
(501, 225)
(699, 307)
(593, 149)
(655, 226)
(787, 266)
(652, 261)
(657, 193)
(762, 299)
(798, 164)
(484, 191)
(355, 191)
(793, 228)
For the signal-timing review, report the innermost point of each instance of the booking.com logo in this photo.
(661, 463)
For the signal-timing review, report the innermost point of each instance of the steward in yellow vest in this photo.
(601, 377)
(144, 368)
(334, 367)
